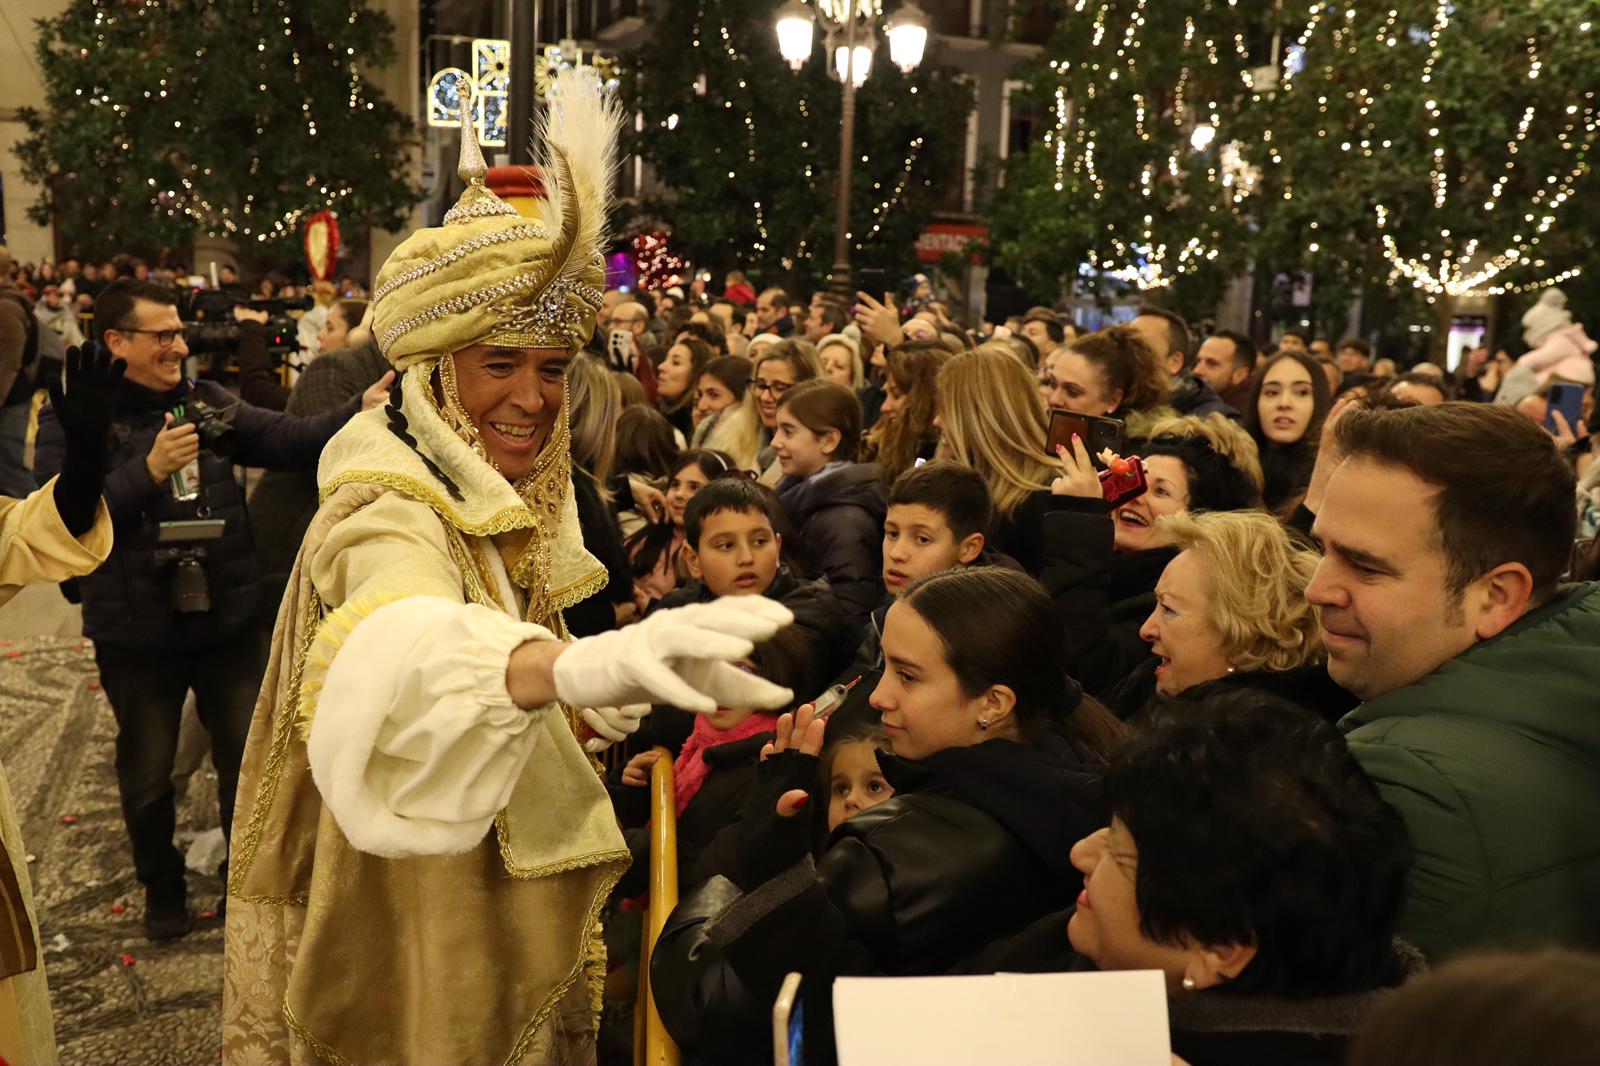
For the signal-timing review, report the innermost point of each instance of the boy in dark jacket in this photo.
(937, 514)
(731, 548)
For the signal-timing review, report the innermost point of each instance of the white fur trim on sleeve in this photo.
(416, 745)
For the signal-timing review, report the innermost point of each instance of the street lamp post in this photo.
(843, 21)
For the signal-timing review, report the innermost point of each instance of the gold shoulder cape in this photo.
(337, 956)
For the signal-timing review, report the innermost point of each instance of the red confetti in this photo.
(206, 916)
(69, 819)
(128, 959)
(94, 686)
(118, 908)
(13, 655)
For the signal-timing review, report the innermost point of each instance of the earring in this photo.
(983, 724)
(1188, 984)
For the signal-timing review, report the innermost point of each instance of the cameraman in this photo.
(162, 626)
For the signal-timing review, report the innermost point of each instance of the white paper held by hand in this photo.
(1054, 1019)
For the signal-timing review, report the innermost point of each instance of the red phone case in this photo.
(1118, 487)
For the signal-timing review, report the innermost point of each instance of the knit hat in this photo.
(1546, 316)
(490, 276)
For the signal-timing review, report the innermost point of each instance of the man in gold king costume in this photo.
(422, 845)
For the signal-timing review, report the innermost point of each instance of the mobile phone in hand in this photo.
(620, 346)
(788, 1025)
(1097, 434)
(1567, 398)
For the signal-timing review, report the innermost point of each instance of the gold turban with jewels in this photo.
(490, 276)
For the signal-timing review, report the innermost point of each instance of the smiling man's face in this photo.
(512, 396)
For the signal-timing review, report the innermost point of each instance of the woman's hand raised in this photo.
(1078, 476)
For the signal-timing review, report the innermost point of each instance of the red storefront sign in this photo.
(944, 238)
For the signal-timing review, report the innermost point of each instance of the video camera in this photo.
(186, 551)
(209, 328)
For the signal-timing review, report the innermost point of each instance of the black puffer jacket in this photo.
(127, 603)
(972, 848)
(703, 848)
(839, 514)
(1103, 598)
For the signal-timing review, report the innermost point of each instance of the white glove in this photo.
(612, 725)
(678, 656)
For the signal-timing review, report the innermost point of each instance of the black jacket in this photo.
(1220, 1026)
(1102, 597)
(284, 501)
(127, 603)
(703, 849)
(839, 514)
(602, 537)
(816, 617)
(1191, 396)
(1309, 687)
(1022, 534)
(972, 848)
(1286, 470)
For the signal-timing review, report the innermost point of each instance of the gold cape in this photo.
(338, 956)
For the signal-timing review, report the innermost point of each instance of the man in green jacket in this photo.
(1445, 533)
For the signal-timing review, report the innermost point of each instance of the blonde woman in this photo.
(1231, 611)
(1101, 569)
(990, 419)
(840, 355)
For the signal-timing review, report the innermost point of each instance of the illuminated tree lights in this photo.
(748, 148)
(1466, 126)
(235, 120)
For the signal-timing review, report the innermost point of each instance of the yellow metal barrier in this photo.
(652, 1045)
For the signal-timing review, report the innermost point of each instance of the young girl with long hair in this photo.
(837, 504)
(904, 431)
(653, 550)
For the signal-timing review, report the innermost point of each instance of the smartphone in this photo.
(1097, 434)
(788, 1025)
(872, 281)
(620, 346)
(1567, 398)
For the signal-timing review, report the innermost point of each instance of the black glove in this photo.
(84, 409)
(769, 843)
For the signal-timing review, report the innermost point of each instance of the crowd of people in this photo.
(1303, 715)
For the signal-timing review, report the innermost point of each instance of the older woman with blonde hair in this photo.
(990, 419)
(1231, 611)
(1101, 568)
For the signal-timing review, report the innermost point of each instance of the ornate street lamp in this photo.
(849, 39)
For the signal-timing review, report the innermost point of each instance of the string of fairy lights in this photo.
(1073, 139)
(184, 198)
(1185, 119)
(1459, 269)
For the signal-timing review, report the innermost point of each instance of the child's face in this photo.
(855, 782)
(681, 489)
(917, 542)
(737, 554)
(801, 452)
